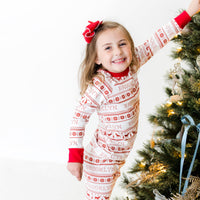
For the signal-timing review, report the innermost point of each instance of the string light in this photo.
(176, 36)
(179, 59)
(178, 154)
(180, 103)
(169, 103)
(171, 112)
(142, 165)
(184, 155)
(179, 49)
(152, 143)
(158, 139)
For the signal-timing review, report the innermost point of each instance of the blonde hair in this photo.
(88, 68)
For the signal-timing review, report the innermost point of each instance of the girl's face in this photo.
(113, 50)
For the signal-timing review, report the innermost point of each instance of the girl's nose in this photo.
(117, 51)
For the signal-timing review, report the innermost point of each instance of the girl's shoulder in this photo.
(102, 83)
(102, 77)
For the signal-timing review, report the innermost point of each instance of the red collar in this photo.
(120, 74)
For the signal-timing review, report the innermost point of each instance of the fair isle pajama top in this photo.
(116, 100)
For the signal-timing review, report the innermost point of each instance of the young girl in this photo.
(109, 85)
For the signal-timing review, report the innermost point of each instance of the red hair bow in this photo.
(89, 32)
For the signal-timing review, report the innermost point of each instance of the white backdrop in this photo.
(41, 47)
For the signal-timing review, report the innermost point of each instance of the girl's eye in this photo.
(123, 44)
(108, 48)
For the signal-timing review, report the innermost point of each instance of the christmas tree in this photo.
(157, 174)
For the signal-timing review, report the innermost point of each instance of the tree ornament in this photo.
(176, 75)
(196, 19)
(198, 60)
(158, 196)
(177, 94)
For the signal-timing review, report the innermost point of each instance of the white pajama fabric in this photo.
(100, 172)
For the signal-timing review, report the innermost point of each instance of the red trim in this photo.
(183, 19)
(76, 155)
(120, 74)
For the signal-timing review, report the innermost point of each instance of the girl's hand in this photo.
(194, 7)
(76, 169)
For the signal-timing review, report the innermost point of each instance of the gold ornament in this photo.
(151, 175)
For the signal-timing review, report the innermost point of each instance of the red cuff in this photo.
(76, 155)
(183, 19)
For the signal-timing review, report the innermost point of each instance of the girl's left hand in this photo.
(194, 7)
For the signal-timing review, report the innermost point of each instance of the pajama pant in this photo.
(100, 172)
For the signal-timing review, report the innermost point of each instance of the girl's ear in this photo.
(97, 61)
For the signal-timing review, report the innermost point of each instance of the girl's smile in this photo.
(119, 61)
